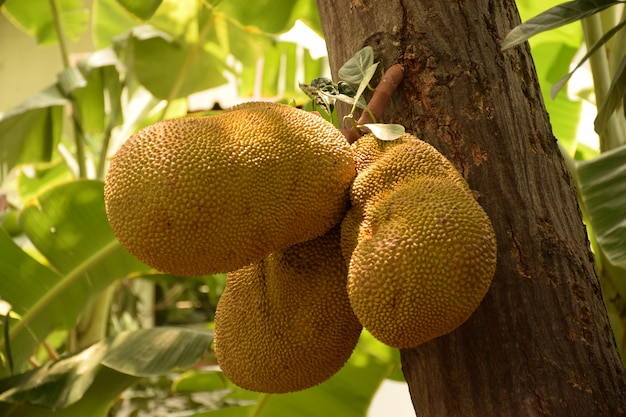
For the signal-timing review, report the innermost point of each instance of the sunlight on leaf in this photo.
(360, 103)
(200, 380)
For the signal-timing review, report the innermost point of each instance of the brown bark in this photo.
(540, 344)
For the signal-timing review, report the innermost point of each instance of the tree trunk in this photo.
(540, 344)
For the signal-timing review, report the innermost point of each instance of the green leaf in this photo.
(23, 282)
(147, 352)
(613, 97)
(385, 131)
(197, 381)
(331, 97)
(602, 184)
(103, 393)
(68, 225)
(95, 402)
(181, 19)
(277, 74)
(171, 69)
(94, 85)
(243, 43)
(354, 70)
(608, 35)
(141, 8)
(552, 58)
(271, 16)
(8, 221)
(56, 384)
(555, 17)
(32, 180)
(156, 351)
(36, 18)
(367, 77)
(30, 132)
(109, 20)
(306, 11)
(383, 352)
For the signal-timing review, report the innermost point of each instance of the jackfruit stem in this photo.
(388, 84)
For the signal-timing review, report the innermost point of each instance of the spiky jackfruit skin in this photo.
(285, 324)
(423, 255)
(382, 165)
(202, 195)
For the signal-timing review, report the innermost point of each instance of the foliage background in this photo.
(102, 69)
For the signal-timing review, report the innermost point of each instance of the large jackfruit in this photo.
(421, 250)
(201, 195)
(285, 324)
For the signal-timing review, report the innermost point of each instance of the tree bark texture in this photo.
(540, 344)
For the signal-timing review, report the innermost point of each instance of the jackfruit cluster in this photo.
(421, 251)
(319, 238)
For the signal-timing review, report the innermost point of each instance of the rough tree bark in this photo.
(540, 344)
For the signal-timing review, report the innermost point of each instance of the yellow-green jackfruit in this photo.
(285, 324)
(382, 165)
(202, 195)
(421, 250)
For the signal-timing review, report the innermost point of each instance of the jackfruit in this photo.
(285, 324)
(421, 250)
(382, 165)
(351, 224)
(202, 195)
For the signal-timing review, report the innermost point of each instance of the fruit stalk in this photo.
(388, 84)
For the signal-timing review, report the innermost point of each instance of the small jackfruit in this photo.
(285, 323)
(423, 255)
(202, 195)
